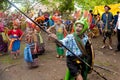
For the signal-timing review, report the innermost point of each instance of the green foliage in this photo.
(62, 5)
(4, 5)
(66, 5)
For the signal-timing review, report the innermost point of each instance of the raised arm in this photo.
(50, 28)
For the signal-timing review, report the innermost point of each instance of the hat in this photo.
(41, 18)
(107, 6)
(84, 22)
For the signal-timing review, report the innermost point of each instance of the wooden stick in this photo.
(105, 68)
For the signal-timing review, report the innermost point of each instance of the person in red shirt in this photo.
(15, 36)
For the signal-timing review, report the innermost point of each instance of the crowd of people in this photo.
(74, 34)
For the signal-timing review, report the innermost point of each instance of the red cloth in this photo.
(17, 32)
(92, 26)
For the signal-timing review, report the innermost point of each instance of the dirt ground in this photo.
(51, 68)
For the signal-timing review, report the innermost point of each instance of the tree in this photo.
(66, 5)
(62, 5)
(4, 5)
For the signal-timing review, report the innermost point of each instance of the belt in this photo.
(75, 59)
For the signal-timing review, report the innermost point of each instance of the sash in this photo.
(80, 44)
(11, 44)
(40, 38)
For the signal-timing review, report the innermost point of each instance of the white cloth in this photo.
(119, 21)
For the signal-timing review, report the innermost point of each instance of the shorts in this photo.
(73, 66)
(107, 34)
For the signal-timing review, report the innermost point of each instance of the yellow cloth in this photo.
(100, 9)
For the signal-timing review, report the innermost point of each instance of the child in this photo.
(40, 42)
(59, 29)
(31, 47)
(15, 36)
(77, 42)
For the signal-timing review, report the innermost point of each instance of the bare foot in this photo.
(58, 56)
(61, 57)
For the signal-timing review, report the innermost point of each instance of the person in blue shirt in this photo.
(107, 19)
(77, 69)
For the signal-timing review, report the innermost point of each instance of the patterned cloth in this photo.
(69, 42)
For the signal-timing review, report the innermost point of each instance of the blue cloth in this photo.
(115, 20)
(16, 44)
(68, 22)
(70, 43)
(93, 21)
(28, 54)
(51, 22)
(105, 20)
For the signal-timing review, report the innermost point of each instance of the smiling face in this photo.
(79, 28)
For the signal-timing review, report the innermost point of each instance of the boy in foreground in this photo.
(79, 44)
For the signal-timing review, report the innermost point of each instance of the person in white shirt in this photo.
(117, 29)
